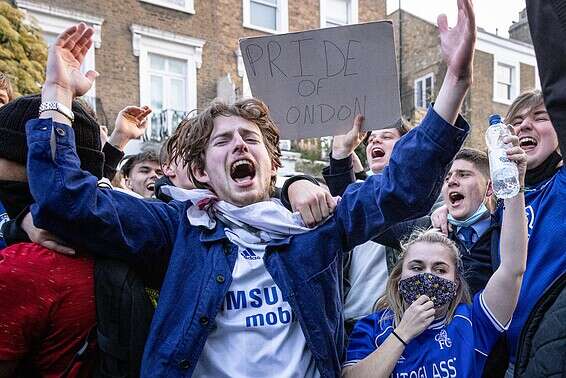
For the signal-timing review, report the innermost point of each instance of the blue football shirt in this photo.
(546, 259)
(456, 349)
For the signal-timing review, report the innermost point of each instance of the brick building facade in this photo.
(177, 55)
(503, 68)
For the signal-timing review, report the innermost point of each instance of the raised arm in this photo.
(131, 123)
(342, 169)
(68, 202)
(410, 184)
(502, 290)
(457, 46)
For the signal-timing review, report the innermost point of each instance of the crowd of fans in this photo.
(188, 261)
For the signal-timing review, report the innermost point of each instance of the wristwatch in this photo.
(58, 107)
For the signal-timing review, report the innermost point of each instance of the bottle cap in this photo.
(494, 119)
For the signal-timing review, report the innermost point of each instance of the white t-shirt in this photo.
(368, 278)
(257, 333)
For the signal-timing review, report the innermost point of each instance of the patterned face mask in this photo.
(440, 290)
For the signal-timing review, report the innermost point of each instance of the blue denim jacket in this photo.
(199, 262)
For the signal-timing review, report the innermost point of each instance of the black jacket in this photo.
(542, 346)
(482, 259)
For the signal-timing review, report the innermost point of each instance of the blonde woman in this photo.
(425, 325)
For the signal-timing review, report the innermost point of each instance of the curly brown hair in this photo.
(193, 134)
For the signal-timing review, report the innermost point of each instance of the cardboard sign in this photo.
(315, 82)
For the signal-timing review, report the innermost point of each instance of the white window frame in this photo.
(515, 79)
(508, 52)
(146, 40)
(188, 8)
(54, 20)
(246, 89)
(282, 17)
(352, 12)
(423, 79)
(166, 77)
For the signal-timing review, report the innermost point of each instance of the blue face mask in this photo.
(480, 213)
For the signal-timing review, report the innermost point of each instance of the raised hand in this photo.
(131, 123)
(457, 43)
(457, 46)
(344, 145)
(65, 58)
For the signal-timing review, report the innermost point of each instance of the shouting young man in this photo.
(140, 172)
(248, 288)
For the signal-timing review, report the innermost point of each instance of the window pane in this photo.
(504, 73)
(177, 66)
(263, 15)
(156, 90)
(504, 86)
(178, 94)
(157, 62)
(503, 91)
(419, 94)
(337, 12)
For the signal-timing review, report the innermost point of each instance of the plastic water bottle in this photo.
(504, 172)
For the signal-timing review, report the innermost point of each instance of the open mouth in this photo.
(455, 198)
(527, 143)
(150, 186)
(242, 170)
(377, 152)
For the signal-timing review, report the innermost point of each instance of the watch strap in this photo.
(58, 107)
